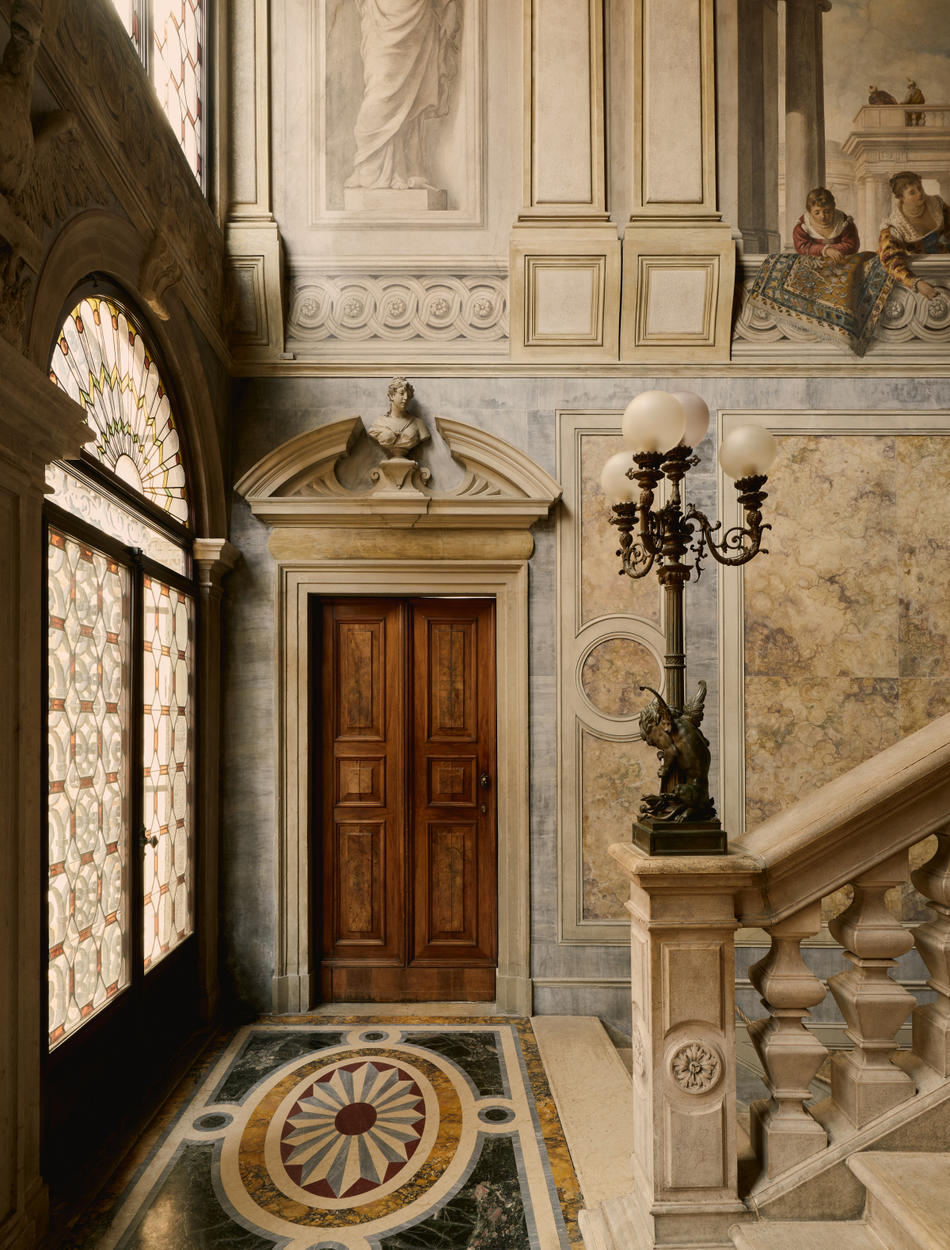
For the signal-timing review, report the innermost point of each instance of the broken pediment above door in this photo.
(335, 475)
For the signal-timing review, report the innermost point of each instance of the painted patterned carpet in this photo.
(337, 1133)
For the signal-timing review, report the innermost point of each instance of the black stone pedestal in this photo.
(670, 837)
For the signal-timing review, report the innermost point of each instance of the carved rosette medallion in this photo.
(696, 1067)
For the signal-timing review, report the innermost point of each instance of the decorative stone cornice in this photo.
(297, 485)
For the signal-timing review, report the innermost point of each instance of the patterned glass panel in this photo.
(101, 361)
(84, 500)
(88, 782)
(128, 11)
(168, 705)
(177, 71)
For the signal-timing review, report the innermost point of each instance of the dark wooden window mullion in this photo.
(136, 771)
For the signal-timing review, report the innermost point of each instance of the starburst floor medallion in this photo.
(359, 1125)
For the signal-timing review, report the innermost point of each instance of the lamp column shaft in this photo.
(674, 662)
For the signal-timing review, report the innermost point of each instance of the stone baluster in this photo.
(865, 1082)
(783, 1133)
(932, 1020)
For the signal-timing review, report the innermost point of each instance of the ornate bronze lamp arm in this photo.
(637, 554)
(740, 543)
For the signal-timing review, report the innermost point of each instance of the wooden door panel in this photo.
(361, 780)
(452, 679)
(409, 892)
(361, 705)
(363, 801)
(452, 781)
(360, 858)
(452, 841)
(451, 893)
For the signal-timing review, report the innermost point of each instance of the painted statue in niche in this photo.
(410, 53)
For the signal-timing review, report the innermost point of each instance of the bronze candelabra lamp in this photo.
(661, 430)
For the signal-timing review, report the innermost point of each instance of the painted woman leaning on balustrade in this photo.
(918, 224)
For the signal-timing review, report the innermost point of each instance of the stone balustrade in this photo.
(896, 116)
(856, 831)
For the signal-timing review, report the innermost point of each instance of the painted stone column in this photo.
(214, 559)
(678, 255)
(38, 423)
(758, 126)
(251, 234)
(682, 925)
(565, 255)
(804, 105)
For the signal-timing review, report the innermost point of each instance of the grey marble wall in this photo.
(571, 978)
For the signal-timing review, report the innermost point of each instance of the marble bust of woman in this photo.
(398, 431)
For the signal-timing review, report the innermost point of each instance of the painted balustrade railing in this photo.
(856, 831)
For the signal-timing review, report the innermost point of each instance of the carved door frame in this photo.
(328, 541)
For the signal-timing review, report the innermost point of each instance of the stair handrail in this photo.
(852, 823)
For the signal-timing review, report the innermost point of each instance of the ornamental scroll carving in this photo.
(398, 306)
(44, 170)
(696, 1067)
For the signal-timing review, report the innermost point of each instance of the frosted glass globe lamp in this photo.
(653, 421)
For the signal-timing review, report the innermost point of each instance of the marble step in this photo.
(908, 1203)
(806, 1235)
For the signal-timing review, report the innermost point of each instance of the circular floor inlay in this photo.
(355, 1127)
(208, 1123)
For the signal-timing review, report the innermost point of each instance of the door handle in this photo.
(484, 781)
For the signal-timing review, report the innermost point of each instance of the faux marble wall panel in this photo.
(846, 629)
(602, 592)
(614, 775)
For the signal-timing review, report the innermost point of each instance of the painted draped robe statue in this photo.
(410, 56)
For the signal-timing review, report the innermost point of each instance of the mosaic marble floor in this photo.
(349, 1133)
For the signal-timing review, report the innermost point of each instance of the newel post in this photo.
(682, 927)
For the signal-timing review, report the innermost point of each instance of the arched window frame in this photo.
(158, 593)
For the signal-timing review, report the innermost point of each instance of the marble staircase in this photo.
(696, 1178)
(907, 1207)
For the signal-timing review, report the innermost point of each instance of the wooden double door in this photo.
(406, 802)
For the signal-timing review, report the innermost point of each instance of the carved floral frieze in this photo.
(398, 306)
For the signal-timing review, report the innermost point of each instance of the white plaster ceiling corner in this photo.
(296, 484)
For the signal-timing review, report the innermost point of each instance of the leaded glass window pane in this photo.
(88, 781)
(169, 714)
(101, 361)
(82, 499)
(176, 30)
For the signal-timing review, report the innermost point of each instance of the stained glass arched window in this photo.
(121, 661)
(101, 362)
